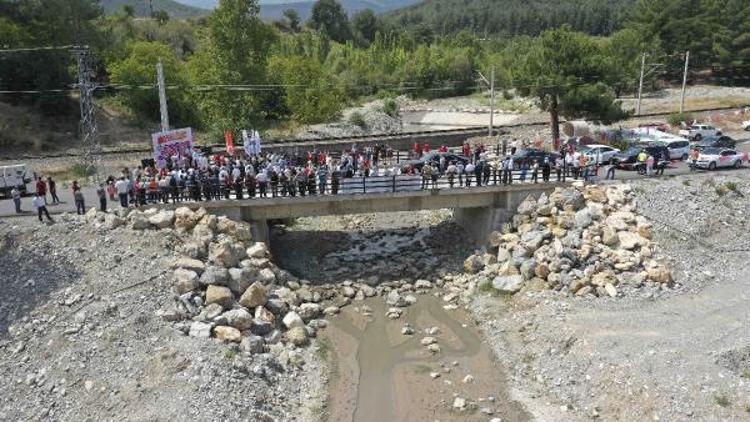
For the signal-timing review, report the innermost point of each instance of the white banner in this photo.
(173, 143)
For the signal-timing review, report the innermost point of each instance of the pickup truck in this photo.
(698, 132)
(13, 176)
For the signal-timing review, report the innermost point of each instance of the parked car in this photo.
(528, 156)
(435, 157)
(628, 158)
(746, 125)
(715, 142)
(679, 149)
(698, 132)
(603, 153)
(713, 158)
(13, 176)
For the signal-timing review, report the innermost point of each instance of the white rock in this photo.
(292, 319)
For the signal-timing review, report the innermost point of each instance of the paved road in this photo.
(67, 204)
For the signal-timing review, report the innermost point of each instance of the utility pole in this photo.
(162, 97)
(91, 148)
(491, 84)
(684, 82)
(640, 85)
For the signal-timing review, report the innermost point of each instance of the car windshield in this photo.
(711, 151)
(632, 151)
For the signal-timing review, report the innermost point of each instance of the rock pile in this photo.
(581, 240)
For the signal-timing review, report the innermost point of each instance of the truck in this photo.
(697, 132)
(13, 176)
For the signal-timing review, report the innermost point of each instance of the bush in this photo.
(676, 119)
(357, 119)
(80, 170)
(390, 107)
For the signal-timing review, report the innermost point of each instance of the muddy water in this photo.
(383, 375)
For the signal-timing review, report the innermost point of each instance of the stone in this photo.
(473, 264)
(219, 294)
(331, 310)
(596, 194)
(185, 219)
(394, 313)
(496, 239)
(212, 310)
(601, 279)
(583, 218)
(112, 221)
(255, 295)
(422, 284)
(532, 240)
(252, 344)
(214, 275)
(407, 330)
(189, 264)
(585, 290)
(240, 279)
(503, 255)
(394, 299)
(426, 341)
(611, 290)
(292, 319)
(225, 333)
(433, 348)
(348, 291)
(91, 215)
(297, 336)
(258, 250)
(226, 253)
(139, 221)
(630, 240)
(185, 281)
(468, 379)
(567, 199)
(659, 274)
(162, 219)
(261, 327)
(542, 271)
(508, 284)
(264, 314)
(459, 403)
(267, 276)
(308, 311)
(239, 318)
(609, 236)
(528, 268)
(200, 330)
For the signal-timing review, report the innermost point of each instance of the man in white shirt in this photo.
(16, 194)
(41, 208)
(122, 187)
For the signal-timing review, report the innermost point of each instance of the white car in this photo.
(679, 148)
(698, 132)
(602, 153)
(746, 125)
(713, 158)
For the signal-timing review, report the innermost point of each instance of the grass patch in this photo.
(746, 373)
(722, 400)
(229, 354)
(487, 288)
(323, 349)
(731, 186)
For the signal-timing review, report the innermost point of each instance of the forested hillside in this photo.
(515, 17)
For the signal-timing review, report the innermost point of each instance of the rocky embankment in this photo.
(584, 241)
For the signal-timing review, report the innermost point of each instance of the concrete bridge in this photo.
(479, 210)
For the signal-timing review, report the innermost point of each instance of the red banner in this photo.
(229, 138)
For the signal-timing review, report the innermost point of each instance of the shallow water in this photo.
(383, 375)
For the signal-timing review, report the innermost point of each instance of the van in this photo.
(13, 176)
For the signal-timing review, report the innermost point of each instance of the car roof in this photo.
(597, 146)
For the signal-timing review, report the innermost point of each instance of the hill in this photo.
(173, 8)
(514, 17)
(273, 9)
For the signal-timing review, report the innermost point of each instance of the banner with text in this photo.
(173, 143)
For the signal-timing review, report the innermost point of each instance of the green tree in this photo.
(160, 16)
(234, 52)
(564, 71)
(292, 20)
(365, 25)
(139, 69)
(329, 17)
(307, 94)
(128, 10)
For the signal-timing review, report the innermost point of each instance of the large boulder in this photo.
(532, 240)
(200, 330)
(297, 336)
(185, 280)
(189, 264)
(139, 221)
(630, 240)
(214, 275)
(185, 218)
(257, 250)
(267, 276)
(292, 319)
(225, 333)
(583, 218)
(309, 311)
(528, 206)
(239, 318)
(569, 198)
(237, 230)
(473, 264)
(240, 279)
(219, 294)
(596, 194)
(162, 219)
(226, 253)
(508, 284)
(255, 295)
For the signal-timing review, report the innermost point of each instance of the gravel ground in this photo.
(79, 339)
(664, 353)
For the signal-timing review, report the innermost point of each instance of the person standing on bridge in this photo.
(323, 178)
(546, 170)
(469, 169)
(478, 171)
(535, 171)
(451, 172)
(434, 174)
(460, 172)
(559, 165)
(426, 172)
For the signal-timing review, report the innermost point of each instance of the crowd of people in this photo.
(291, 174)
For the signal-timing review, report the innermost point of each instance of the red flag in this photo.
(229, 138)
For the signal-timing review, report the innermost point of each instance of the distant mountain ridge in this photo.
(172, 7)
(274, 9)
